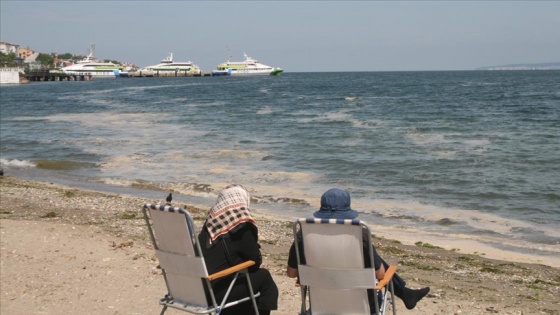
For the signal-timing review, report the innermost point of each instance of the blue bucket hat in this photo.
(335, 204)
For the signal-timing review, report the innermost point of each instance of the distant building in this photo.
(31, 62)
(25, 53)
(7, 48)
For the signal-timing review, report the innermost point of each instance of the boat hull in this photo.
(221, 73)
(249, 72)
(95, 74)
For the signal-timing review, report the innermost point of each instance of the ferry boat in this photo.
(167, 65)
(89, 66)
(249, 66)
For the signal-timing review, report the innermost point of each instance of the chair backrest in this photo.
(334, 270)
(177, 249)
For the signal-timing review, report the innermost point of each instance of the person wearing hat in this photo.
(335, 204)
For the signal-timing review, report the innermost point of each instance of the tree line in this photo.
(46, 60)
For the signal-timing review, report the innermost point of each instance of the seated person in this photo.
(335, 204)
(230, 237)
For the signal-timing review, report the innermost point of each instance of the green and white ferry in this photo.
(249, 66)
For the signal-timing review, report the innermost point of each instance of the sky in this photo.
(298, 36)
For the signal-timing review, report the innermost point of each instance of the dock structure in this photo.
(10, 75)
(167, 73)
(54, 75)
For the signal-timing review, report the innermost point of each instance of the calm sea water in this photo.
(444, 156)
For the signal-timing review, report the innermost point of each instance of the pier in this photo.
(167, 73)
(54, 75)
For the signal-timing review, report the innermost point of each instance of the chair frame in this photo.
(214, 308)
(385, 285)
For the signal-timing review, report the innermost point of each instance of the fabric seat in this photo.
(188, 283)
(334, 279)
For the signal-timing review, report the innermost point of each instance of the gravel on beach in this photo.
(65, 249)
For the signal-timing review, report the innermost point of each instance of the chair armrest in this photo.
(389, 273)
(230, 270)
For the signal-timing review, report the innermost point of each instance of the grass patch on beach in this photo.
(128, 215)
(534, 286)
(516, 266)
(491, 269)
(68, 194)
(426, 245)
(460, 267)
(392, 250)
(538, 283)
(417, 265)
(467, 260)
(533, 297)
(50, 214)
(552, 282)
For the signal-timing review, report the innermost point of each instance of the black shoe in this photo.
(410, 297)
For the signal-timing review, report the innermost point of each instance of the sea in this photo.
(464, 160)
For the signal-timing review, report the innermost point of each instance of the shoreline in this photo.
(501, 247)
(109, 230)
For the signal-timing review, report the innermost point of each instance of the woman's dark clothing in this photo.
(398, 282)
(241, 244)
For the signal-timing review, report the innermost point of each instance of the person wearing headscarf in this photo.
(335, 204)
(230, 237)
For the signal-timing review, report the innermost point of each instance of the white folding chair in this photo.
(334, 275)
(188, 283)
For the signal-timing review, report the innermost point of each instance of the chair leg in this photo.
(163, 310)
(303, 310)
(252, 293)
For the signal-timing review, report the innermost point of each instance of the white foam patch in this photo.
(338, 116)
(266, 111)
(409, 231)
(17, 163)
(447, 145)
(108, 120)
(228, 153)
(372, 124)
(471, 244)
(426, 139)
(474, 218)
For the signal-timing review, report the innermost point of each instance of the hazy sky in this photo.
(298, 36)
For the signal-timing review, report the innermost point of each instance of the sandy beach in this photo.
(71, 251)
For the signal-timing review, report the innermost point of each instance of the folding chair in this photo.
(188, 283)
(334, 276)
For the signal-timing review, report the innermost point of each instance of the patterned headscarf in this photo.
(230, 210)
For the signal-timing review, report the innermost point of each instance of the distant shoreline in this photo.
(525, 66)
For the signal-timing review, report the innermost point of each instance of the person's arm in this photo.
(380, 273)
(291, 270)
(248, 247)
(379, 267)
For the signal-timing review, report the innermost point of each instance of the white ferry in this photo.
(90, 66)
(167, 65)
(249, 66)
